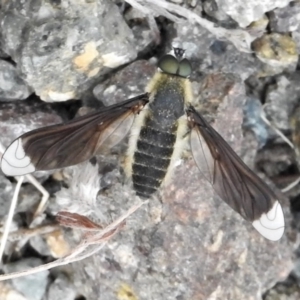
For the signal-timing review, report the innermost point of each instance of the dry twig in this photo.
(239, 37)
(94, 238)
(12, 208)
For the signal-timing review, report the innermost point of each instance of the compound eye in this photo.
(169, 64)
(185, 68)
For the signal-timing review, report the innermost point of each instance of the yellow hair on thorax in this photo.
(160, 80)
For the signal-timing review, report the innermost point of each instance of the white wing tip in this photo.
(271, 224)
(14, 160)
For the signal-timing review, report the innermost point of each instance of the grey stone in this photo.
(212, 10)
(12, 86)
(296, 38)
(281, 99)
(210, 55)
(63, 47)
(39, 244)
(61, 289)
(19, 117)
(288, 290)
(259, 27)
(245, 12)
(276, 159)
(129, 82)
(6, 194)
(144, 29)
(2, 53)
(253, 121)
(8, 293)
(31, 286)
(30, 197)
(285, 19)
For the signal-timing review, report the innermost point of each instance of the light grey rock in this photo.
(19, 117)
(275, 159)
(253, 121)
(245, 12)
(31, 286)
(278, 158)
(210, 55)
(2, 53)
(288, 290)
(286, 19)
(12, 86)
(145, 30)
(61, 289)
(63, 47)
(296, 38)
(212, 10)
(8, 293)
(259, 27)
(39, 244)
(130, 81)
(281, 99)
(6, 194)
(30, 196)
(295, 133)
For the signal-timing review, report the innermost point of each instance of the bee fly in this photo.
(160, 122)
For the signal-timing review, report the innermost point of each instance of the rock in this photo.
(6, 192)
(12, 86)
(281, 99)
(8, 293)
(2, 53)
(253, 121)
(31, 286)
(61, 289)
(63, 47)
(17, 118)
(130, 81)
(285, 19)
(275, 159)
(144, 29)
(296, 38)
(177, 1)
(295, 127)
(288, 290)
(211, 8)
(246, 12)
(39, 244)
(211, 55)
(259, 27)
(278, 51)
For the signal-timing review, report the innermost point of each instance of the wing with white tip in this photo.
(233, 180)
(63, 145)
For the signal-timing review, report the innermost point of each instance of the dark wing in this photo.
(232, 179)
(63, 145)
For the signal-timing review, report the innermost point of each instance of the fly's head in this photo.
(175, 63)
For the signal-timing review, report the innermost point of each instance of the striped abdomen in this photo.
(156, 138)
(152, 157)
